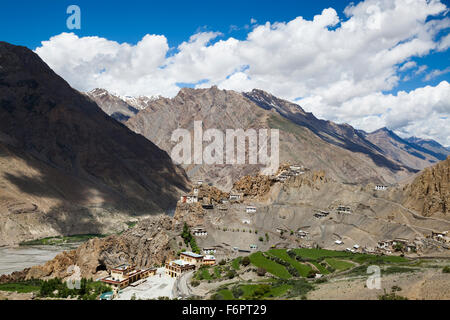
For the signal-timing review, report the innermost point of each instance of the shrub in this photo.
(195, 283)
(446, 269)
(222, 262)
(311, 274)
(261, 272)
(245, 261)
(231, 274)
(237, 292)
(396, 288)
(391, 296)
(261, 239)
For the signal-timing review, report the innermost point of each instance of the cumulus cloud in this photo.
(422, 112)
(336, 68)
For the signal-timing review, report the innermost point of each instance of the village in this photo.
(227, 231)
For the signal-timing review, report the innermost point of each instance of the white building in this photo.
(189, 199)
(199, 232)
(302, 234)
(344, 210)
(245, 221)
(339, 242)
(250, 210)
(235, 197)
(380, 187)
(209, 251)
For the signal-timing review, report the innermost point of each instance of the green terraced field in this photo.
(258, 260)
(302, 268)
(251, 290)
(319, 267)
(339, 264)
(236, 263)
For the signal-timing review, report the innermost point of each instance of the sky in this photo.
(371, 63)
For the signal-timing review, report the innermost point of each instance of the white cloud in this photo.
(422, 112)
(408, 65)
(436, 73)
(329, 62)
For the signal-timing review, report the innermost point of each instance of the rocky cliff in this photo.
(429, 193)
(150, 243)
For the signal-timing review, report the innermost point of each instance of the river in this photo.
(21, 257)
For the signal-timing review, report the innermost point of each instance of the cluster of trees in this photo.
(88, 289)
(189, 239)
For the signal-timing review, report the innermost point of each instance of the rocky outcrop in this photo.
(429, 193)
(253, 186)
(192, 213)
(150, 243)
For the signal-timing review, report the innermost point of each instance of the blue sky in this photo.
(28, 23)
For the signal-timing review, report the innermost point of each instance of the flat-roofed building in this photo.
(250, 209)
(209, 260)
(343, 210)
(235, 196)
(209, 250)
(190, 198)
(192, 258)
(177, 267)
(124, 275)
(199, 232)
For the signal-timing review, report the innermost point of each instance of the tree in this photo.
(398, 247)
(261, 272)
(245, 261)
(231, 274)
(311, 274)
(186, 234)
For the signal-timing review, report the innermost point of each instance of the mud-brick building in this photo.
(124, 275)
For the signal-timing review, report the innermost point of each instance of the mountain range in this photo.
(74, 162)
(347, 154)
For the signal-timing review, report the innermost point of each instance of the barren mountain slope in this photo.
(299, 142)
(431, 145)
(112, 105)
(404, 151)
(429, 193)
(65, 163)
